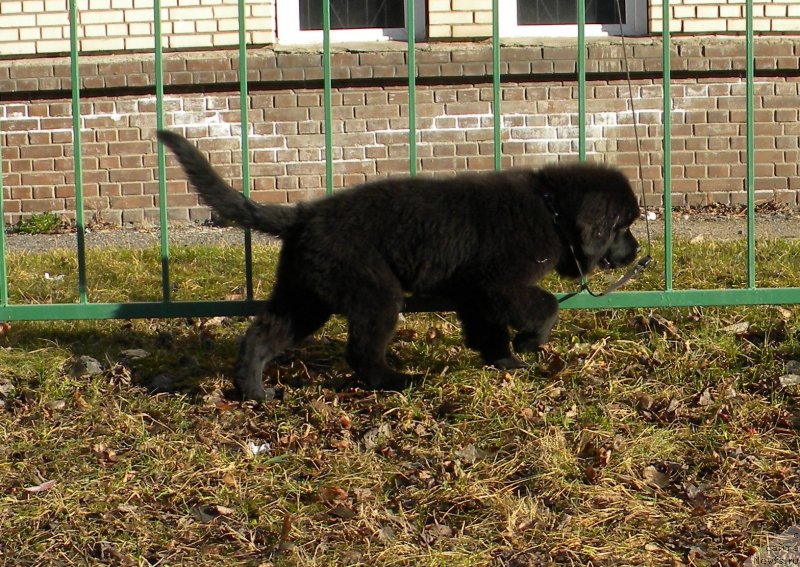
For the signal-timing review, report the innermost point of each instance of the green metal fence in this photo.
(166, 307)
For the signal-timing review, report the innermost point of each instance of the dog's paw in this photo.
(527, 342)
(254, 391)
(508, 363)
(390, 380)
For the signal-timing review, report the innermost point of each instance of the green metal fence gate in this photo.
(668, 296)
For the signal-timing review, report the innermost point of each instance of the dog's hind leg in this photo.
(289, 318)
(268, 335)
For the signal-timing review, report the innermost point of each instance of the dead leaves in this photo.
(706, 406)
(754, 334)
(104, 455)
(552, 364)
(655, 323)
(332, 495)
(79, 401)
(42, 487)
(343, 512)
(739, 329)
(229, 480)
(674, 478)
(208, 513)
(655, 478)
(337, 501)
(469, 454)
(393, 472)
(435, 532)
(377, 436)
(595, 453)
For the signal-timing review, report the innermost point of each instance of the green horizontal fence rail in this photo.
(666, 297)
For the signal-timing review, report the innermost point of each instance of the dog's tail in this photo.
(228, 203)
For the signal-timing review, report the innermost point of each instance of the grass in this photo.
(637, 438)
(40, 223)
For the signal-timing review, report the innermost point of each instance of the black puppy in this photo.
(483, 240)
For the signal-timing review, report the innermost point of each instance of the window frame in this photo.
(288, 30)
(636, 10)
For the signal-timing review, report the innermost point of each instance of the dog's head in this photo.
(621, 250)
(596, 207)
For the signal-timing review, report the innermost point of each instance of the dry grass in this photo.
(637, 438)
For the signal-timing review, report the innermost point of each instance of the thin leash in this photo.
(643, 262)
(635, 126)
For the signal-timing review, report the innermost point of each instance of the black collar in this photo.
(549, 202)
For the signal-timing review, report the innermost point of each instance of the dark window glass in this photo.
(353, 14)
(543, 12)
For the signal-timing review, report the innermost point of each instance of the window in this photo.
(300, 21)
(554, 18)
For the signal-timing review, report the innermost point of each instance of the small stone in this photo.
(792, 367)
(135, 353)
(86, 365)
(6, 387)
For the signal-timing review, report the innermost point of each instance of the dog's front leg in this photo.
(490, 337)
(536, 313)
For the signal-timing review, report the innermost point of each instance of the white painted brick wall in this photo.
(460, 18)
(41, 26)
(30, 27)
(726, 16)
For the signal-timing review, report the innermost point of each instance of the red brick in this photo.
(127, 175)
(41, 205)
(132, 201)
(43, 178)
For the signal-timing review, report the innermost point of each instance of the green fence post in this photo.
(3, 275)
(496, 92)
(326, 93)
(162, 177)
(751, 184)
(412, 88)
(76, 145)
(667, 142)
(243, 113)
(581, 80)
(581, 71)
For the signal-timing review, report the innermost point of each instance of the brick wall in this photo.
(29, 27)
(370, 121)
(449, 19)
(726, 16)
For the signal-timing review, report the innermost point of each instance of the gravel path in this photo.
(132, 238)
(686, 226)
(782, 225)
